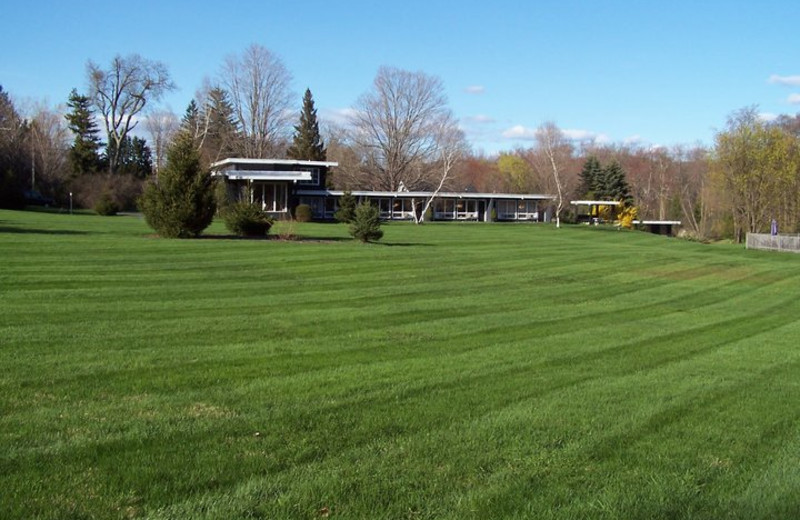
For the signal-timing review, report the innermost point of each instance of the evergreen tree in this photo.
(14, 162)
(135, 157)
(191, 122)
(615, 185)
(222, 137)
(591, 177)
(347, 208)
(307, 143)
(366, 223)
(84, 155)
(181, 204)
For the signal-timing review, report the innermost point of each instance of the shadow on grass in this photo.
(275, 238)
(26, 231)
(401, 244)
(306, 239)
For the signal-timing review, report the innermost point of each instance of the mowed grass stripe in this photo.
(460, 371)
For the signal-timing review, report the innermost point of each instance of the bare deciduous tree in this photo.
(161, 125)
(451, 146)
(693, 189)
(122, 91)
(258, 84)
(557, 152)
(397, 127)
(49, 141)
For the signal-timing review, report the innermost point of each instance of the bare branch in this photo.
(258, 84)
(122, 91)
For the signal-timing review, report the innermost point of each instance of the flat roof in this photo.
(595, 202)
(425, 194)
(659, 222)
(262, 162)
(265, 175)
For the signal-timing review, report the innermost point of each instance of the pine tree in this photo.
(191, 122)
(366, 224)
(347, 208)
(591, 177)
(14, 163)
(222, 137)
(615, 185)
(84, 155)
(181, 204)
(135, 157)
(307, 143)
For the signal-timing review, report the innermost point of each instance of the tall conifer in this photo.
(615, 184)
(307, 144)
(591, 176)
(223, 138)
(84, 155)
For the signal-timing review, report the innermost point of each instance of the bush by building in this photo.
(247, 220)
(302, 213)
(347, 208)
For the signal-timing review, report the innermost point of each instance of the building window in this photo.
(316, 205)
(270, 195)
(444, 209)
(385, 207)
(331, 205)
(506, 210)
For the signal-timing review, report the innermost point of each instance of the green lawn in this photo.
(451, 371)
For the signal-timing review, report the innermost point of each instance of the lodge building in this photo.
(280, 185)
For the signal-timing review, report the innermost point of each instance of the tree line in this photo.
(401, 134)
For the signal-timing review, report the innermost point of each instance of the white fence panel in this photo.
(789, 243)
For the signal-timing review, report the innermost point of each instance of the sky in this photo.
(629, 72)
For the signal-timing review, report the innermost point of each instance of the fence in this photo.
(789, 243)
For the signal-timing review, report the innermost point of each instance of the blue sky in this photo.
(644, 72)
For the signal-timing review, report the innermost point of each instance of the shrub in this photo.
(302, 213)
(181, 203)
(347, 208)
(366, 223)
(222, 197)
(12, 190)
(246, 220)
(106, 205)
(493, 215)
(123, 190)
(627, 214)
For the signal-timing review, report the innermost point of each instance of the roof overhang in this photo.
(426, 194)
(239, 161)
(264, 175)
(595, 202)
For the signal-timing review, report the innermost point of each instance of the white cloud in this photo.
(585, 135)
(337, 116)
(633, 139)
(520, 132)
(790, 81)
(475, 89)
(794, 99)
(480, 118)
(767, 116)
(529, 134)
